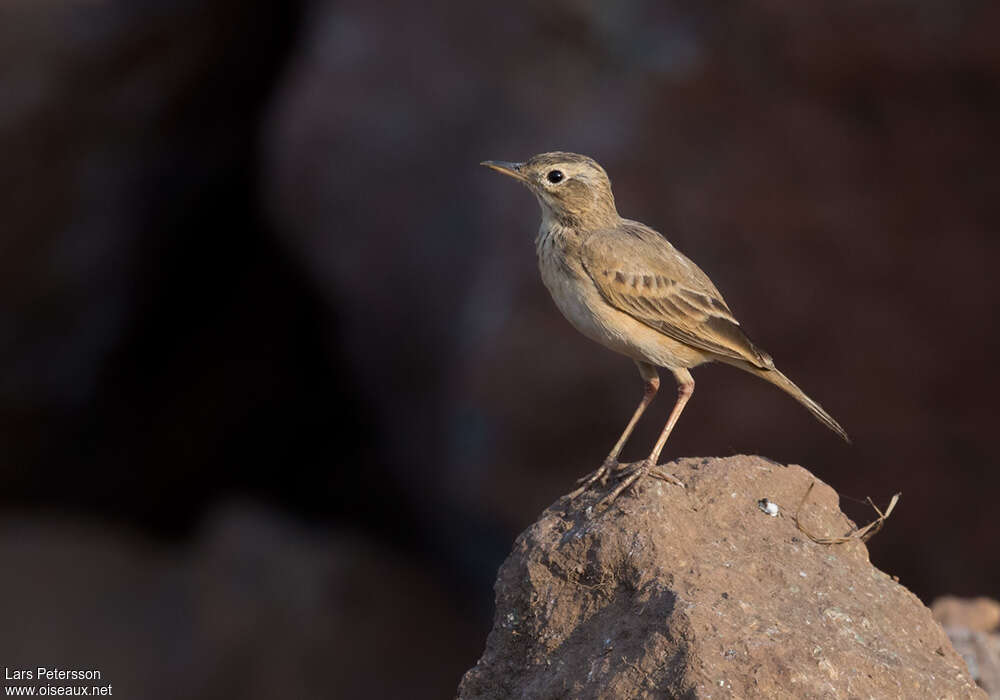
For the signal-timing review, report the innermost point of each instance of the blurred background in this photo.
(279, 383)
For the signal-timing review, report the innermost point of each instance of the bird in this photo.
(625, 286)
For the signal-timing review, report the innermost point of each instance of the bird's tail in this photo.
(786, 384)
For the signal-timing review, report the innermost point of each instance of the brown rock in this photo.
(698, 593)
(969, 623)
(981, 652)
(979, 614)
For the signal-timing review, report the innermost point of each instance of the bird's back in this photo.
(650, 242)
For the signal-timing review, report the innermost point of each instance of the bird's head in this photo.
(571, 189)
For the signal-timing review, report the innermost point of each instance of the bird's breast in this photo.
(571, 288)
(579, 300)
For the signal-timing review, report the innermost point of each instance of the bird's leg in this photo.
(685, 387)
(651, 380)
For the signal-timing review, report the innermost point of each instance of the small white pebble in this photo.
(768, 506)
(802, 574)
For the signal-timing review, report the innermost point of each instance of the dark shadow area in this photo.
(271, 339)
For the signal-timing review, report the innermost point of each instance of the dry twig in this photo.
(864, 534)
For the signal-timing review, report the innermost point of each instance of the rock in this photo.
(256, 606)
(700, 593)
(973, 625)
(979, 614)
(981, 652)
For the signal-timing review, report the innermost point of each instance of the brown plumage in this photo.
(687, 307)
(622, 284)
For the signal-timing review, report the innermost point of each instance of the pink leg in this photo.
(685, 388)
(652, 384)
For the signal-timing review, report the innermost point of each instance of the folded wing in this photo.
(641, 274)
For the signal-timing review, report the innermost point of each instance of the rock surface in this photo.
(977, 614)
(699, 593)
(973, 625)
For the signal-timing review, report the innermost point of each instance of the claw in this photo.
(658, 473)
(635, 473)
(600, 474)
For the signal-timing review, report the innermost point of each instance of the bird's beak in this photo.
(511, 169)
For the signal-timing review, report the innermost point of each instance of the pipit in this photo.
(625, 286)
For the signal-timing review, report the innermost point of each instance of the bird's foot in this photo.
(600, 474)
(624, 468)
(662, 475)
(633, 473)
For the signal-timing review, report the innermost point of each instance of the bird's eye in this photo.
(554, 176)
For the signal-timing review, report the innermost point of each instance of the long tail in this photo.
(786, 384)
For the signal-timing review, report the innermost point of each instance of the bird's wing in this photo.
(638, 272)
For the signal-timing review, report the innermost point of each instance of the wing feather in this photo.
(641, 274)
